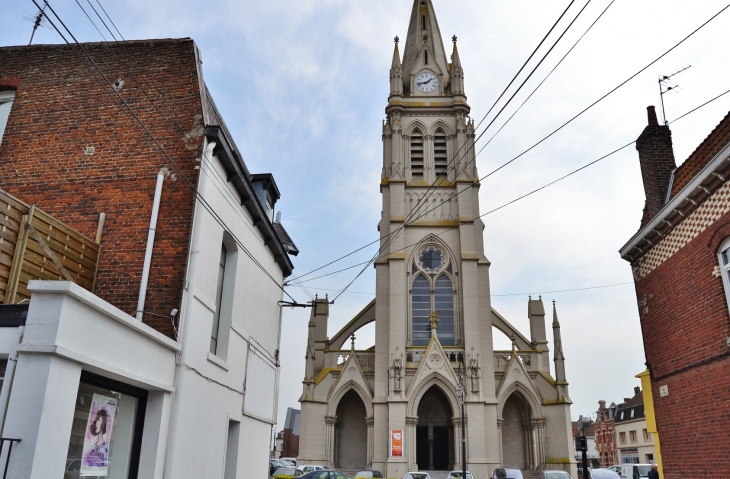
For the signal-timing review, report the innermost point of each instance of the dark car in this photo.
(325, 474)
(507, 472)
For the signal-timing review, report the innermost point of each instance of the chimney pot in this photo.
(651, 112)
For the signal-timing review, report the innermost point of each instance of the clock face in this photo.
(427, 82)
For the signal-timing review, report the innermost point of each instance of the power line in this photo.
(533, 191)
(512, 294)
(202, 200)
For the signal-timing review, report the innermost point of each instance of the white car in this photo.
(634, 471)
(459, 475)
(310, 468)
(417, 475)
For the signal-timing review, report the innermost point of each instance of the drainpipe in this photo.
(150, 242)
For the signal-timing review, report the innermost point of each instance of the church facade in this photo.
(396, 407)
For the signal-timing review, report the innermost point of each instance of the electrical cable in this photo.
(87, 16)
(102, 20)
(535, 190)
(201, 200)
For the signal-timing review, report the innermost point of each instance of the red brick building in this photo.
(681, 266)
(604, 427)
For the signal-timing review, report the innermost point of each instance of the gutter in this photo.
(238, 175)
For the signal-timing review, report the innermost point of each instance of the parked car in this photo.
(554, 475)
(616, 469)
(286, 473)
(602, 474)
(634, 471)
(290, 460)
(417, 475)
(507, 472)
(325, 474)
(310, 468)
(275, 464)
(369, 474)
(459, 475)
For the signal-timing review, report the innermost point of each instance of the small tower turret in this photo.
(559, 357)
(396, 72)
(457, 73)
(538, 334)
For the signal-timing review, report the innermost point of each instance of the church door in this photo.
(434, 434)
(352, 433)
(514, 443)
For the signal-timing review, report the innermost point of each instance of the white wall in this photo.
(210, 389)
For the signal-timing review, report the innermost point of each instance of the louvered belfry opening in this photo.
(417, 155)
(439, 155)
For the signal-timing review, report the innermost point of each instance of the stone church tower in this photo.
(396, 407)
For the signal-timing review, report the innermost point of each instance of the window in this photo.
(724, 257)
(234, 432)
(3, 368)
(417, 155)
(106, 433)
(6, 103)
(218, 300)
(432, 290)
(425, 57)
(646, 435)
(224, 298)
(622, 414)
(622, 437)
(632, 436)
(421, 303)
(439, 154)
(632, 413)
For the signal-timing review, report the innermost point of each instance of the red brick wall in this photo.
(684, 321)
(290, 446)
(59, 109)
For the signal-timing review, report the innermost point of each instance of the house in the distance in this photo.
(141, 267)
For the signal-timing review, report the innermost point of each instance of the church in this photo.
(396, 407)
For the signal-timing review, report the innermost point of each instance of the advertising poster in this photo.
(396, 442)
(95, 457)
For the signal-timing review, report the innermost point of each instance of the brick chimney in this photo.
(656, 158)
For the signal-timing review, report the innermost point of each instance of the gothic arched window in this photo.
(439, 154)
(421, 310)
(432, 290)
(417, 155)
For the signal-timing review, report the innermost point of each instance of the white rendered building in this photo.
(396, 407)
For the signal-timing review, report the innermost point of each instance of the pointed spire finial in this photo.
(514, 342)
(352, 347)
(453, 39)
(396, 39)
(434, 320)
(425, 37)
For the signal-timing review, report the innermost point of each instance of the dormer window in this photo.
(417, 155)
(439, 154)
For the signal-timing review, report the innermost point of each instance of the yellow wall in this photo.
(650, 418)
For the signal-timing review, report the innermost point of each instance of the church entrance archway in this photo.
(434, 432)
(351, 434)
(515, 440)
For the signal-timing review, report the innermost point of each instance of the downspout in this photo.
(164, 173)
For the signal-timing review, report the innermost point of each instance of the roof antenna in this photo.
(38, 20)
(666, 86)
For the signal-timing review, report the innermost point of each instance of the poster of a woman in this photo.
(95, 460)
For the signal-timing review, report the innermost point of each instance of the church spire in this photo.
(396, 72)
(424, 40)
(558, 358)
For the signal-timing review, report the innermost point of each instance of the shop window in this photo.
(106, 435)
(6, 103)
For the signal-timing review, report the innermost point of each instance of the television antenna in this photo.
(666, 86)
(38, 20)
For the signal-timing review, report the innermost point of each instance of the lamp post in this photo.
(461, 393)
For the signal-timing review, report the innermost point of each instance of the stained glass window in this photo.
(421, 310)
(431, 259)
(444, 307)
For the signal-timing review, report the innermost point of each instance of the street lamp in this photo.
(461, 393)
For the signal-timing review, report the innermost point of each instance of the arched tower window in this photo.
(432, 290)
(444, 307)
(421, 310)
(417, 155)
(439, 154)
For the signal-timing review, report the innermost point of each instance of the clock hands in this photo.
(425, 82)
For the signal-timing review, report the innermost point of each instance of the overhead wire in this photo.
(537, 189)
(154, 140)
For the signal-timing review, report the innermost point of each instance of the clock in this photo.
(427, 82)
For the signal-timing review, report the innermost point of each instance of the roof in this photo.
(702, 154)
(635, 403)
(292, 420)
(289, 245)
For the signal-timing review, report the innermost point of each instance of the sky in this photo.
(303, 85)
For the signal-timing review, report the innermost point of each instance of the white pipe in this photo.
(150, 243)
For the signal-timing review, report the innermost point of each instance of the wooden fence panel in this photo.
(23, 258)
